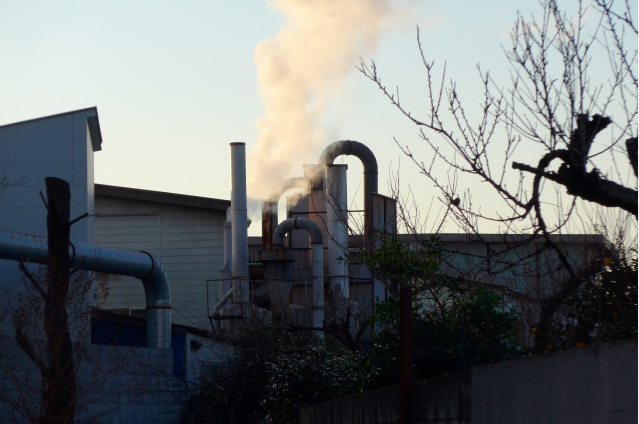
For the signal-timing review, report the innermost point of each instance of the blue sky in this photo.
(175, 82)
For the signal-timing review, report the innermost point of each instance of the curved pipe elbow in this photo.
(108, 260)
(156, 285)
(289, 183)
(298, 224)
(269, 209)
(141, 265)
(355, 148)
(350, 147)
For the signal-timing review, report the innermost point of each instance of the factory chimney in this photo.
(239, 221)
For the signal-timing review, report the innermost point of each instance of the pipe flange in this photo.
(152, 263)
(72, 258)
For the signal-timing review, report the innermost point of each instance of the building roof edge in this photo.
(162, 197)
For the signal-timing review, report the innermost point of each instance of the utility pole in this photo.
(59, 391)
(405, 354)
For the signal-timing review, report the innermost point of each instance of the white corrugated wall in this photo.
(187, 240)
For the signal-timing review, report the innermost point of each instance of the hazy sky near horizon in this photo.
(176, 82)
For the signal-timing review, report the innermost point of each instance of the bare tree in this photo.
(558, 105)
(6, 182)
(57, 366)
(49, 371)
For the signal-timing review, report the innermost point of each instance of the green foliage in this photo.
(461, 330)
(323, 373)
(275, 372)
(604, 309)
(453, 328)
(464, 329)
(231, 396)
(273, 390)
(236, 393)
(395, 262)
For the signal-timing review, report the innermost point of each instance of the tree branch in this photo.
(591, 187)
(631, 149)
(27, 347)
(31, 278)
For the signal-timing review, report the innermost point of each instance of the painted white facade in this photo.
(187, 240)
(184, 234)
(59, 146)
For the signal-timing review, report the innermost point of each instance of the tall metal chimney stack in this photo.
(337, 228)
(239, 220)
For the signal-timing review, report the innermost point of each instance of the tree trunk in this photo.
(59, 385)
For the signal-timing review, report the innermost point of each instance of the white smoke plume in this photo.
(299, 72)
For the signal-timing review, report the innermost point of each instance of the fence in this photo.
(595, 385)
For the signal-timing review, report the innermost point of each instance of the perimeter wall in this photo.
(595, 385)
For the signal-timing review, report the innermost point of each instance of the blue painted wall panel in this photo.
(178, 345)
(118, 334)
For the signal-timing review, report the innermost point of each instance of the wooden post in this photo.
(59, 391)
(405, 354)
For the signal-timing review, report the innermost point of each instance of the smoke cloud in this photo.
(299, 72)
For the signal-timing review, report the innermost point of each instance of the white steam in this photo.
(300, 71)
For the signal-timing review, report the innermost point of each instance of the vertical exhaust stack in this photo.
(355, 148)
(316, 196)
(225, 273)
(228, 240)
(239, 221)
(337, 229)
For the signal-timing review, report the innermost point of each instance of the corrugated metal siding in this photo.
(187, 240)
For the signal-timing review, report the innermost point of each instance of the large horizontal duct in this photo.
(142, 265)
(317, 252)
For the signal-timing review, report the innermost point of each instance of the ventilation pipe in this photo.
(225, 273)
(228, 240)
(142, 265)
(226, 286)
(269, 210)
(336, 227)
(316, 196)
(355, 148)
(218, 307)
(317, 248)
(330, 153)
(239, 221)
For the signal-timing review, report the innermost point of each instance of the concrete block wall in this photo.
(116, 384)
(593, 385)
(597, 384)
(441, 400)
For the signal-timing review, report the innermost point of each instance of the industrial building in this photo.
(206, 272)
(186, 233)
